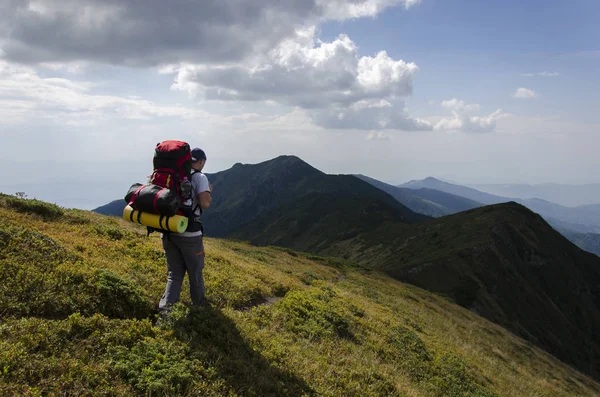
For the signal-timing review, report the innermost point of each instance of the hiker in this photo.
(185, 251)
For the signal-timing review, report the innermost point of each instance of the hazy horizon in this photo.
(85, 194)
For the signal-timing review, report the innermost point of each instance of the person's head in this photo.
(198, 159)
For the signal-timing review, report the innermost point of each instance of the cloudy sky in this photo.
(465, 90)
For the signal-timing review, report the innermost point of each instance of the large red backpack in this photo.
(172, 165)
(169, 185)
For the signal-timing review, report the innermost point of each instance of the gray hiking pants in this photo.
(183, 254)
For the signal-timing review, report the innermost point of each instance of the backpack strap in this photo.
(198, 204)
(194, 219)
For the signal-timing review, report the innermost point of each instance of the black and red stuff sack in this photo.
(169, 184)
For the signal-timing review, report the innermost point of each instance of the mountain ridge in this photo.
(426, 201)
(245, 192)
(581, 217)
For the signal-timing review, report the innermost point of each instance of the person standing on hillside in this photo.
(185, 251)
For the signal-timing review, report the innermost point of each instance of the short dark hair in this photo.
(198, 154)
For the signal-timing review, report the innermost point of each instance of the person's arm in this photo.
(204, 197)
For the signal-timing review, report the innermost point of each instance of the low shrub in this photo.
(46, 211)
(316, 313)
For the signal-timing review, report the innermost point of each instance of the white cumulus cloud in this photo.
(219, 50)
(455, 104)
(344, 9)
(339, 88)
(524, 93)
(462, 120)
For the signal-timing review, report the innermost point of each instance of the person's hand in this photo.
(210, 186)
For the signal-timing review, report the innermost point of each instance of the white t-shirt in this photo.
(199, 184)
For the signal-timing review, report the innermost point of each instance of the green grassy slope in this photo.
(507, 264)
(77, 317)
